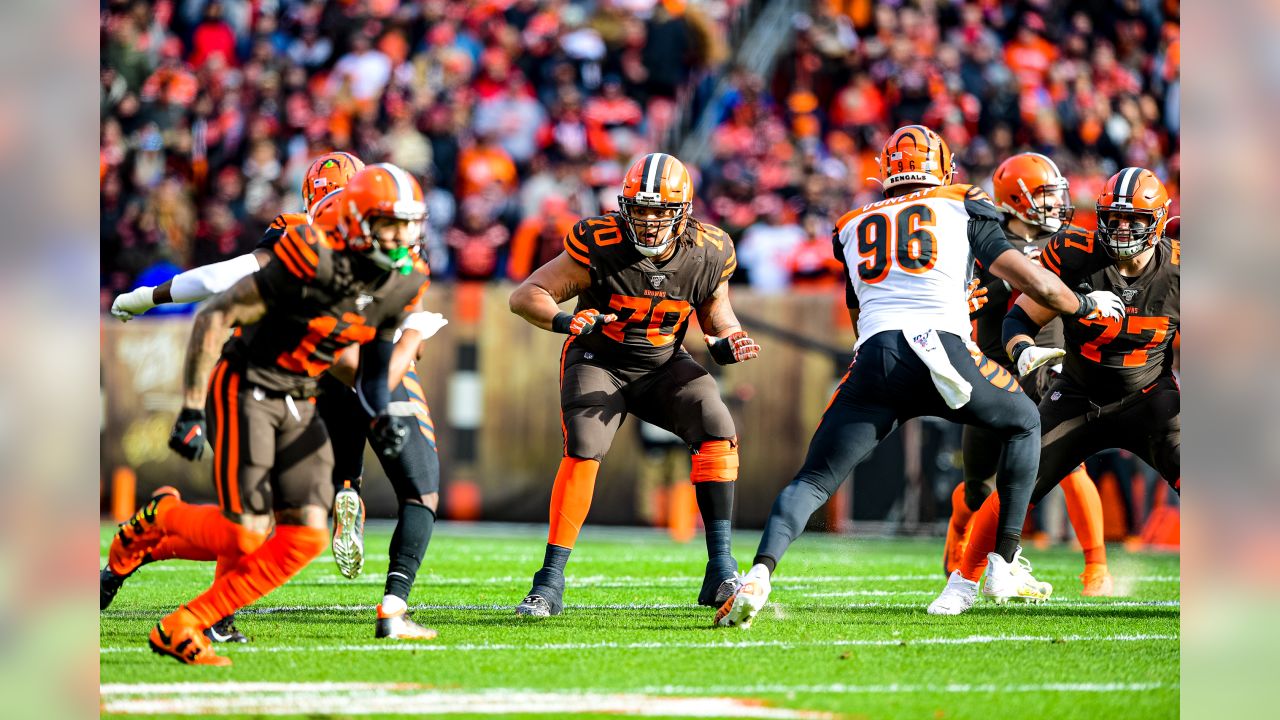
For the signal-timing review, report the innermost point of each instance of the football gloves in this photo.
(134, 302)
(388, 435)
(189, 434)
(583, 322)
(1100, 304)
(1032, 357)
(733, 349)
(977, 296)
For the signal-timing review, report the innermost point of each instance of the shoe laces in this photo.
(535, 600)
(1021, 566)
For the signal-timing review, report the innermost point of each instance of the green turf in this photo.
(810, 649)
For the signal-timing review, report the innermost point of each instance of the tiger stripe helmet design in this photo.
(382, 191)
(328, 173)
(1133, 210)
(1031, 188)
(915, 155)
(657, 194)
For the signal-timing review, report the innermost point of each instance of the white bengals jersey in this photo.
(908, 259)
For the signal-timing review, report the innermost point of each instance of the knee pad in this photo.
(715, 461)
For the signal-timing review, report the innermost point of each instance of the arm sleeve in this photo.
(986, 236)
(837, 249)
(375, 369)
(199, 283)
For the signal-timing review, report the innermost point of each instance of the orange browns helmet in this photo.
(1030, 186)
(915, 155)
(1133, 210)
(328, 173)
(326, 214)
(383, 191)
(657, 194)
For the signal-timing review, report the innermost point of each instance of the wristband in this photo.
(1087, 305)
(560, 323)
(1018, 349)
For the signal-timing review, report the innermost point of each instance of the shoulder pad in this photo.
(978, 204)
(303, 252)
(589, 234)
(717, 241)
(417, 296)
(1071, 249)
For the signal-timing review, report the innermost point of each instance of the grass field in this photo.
(845, 635)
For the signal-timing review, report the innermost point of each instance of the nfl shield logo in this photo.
(655, 281)
(362, 302)
(1054, 397)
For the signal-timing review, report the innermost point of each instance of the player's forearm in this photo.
(402, 357)
(1019, 330)
(535, 305)
(207, 335)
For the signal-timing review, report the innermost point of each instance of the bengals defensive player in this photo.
(1117, 388)
(638, 275)
(908, 260)
(1035, 199)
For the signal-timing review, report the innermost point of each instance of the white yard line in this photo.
(656, 645)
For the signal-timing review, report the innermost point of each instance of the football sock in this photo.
(286, 552)
(553, 564)
(960, 512)
(203, 530)
(715, 502)
(790, 513)
(769, 563)
(392, 604)
(982, 539)
(408, 547)
(1084, 507)
(172, 547)
(571, 499)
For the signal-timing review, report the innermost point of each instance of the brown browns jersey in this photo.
(277, 228)
(319, 301)
(1106, 358)
(653, 302)
(988, 321)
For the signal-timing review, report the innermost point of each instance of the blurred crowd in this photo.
(519, 116)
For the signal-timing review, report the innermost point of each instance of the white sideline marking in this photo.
(654, 645)
(360, 699)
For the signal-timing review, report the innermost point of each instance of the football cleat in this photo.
(953, 551)
(109, 584)
(1013, 580)
(180, 637)
(1097, 581)
(719, 582)
(748, 599)
(225, 631)
(959, 595)
(399, 626)
(348, 531)
(131, 547)
(546, 597)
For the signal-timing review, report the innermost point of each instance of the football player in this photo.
(414, 474)
(907, 262)
(639, 274)
(1036, 202)
(271, 451)
(1117, 388)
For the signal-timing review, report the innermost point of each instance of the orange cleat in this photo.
(180, 637)
(136, 537)
(1097, 581)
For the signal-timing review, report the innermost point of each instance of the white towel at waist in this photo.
(953, 388)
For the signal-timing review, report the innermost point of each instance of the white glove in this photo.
(425, 323)
(134, 302)
(1033, 357)
(1109, 305)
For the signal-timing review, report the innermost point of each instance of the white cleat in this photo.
(348, 532)
(747, 600)
(399, 626)
(959, 595)
(1013, 581)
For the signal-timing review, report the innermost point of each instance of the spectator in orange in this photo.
(540, 237)
(812, 263)
(1029, 55)
(483, 166)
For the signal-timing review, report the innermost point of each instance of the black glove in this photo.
(388, 435)
(189, 434)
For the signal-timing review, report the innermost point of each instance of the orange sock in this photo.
(173, 547)
(982, 538)
(203, 530)
(1084, 507)
(285, 553)
(960, 512)
(571, 499)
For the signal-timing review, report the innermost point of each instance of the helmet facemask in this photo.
(405, 228)
(1126, 232)
(650, 223)
(1049, 206)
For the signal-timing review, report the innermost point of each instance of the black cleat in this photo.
(546, 598)
(109, 584)
(225, 631)
(719, 582)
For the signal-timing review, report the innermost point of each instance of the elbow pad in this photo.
(1017, 322)
(204, 282)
